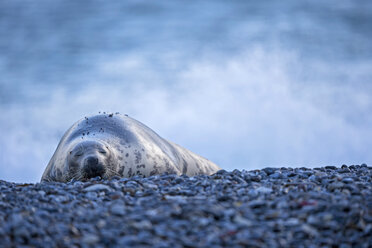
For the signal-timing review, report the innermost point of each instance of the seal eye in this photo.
(78, 154)
(102, 151)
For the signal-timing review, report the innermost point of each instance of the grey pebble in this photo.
(273, 207)
(98, 187)
(347, 180)
(90, 239)
(117, 209)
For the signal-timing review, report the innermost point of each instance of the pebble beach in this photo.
(272, 207)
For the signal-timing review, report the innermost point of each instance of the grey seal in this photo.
(108, 145)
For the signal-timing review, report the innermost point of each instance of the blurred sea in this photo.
(247, 84)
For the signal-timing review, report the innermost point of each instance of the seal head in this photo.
(90, 158)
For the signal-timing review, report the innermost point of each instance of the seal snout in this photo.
(92, 167)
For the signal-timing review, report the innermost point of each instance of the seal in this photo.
(108, 145)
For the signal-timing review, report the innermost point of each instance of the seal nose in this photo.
(92, 168)
(92, 160)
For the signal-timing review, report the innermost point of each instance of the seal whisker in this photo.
(112, 171)
(76, 176)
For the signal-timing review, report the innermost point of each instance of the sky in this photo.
(248, 85)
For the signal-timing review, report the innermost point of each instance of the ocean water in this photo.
(247, 84)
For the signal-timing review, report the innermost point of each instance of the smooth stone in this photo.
(90, 239)
(98, 187)
(118, 209)
(347, 180)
